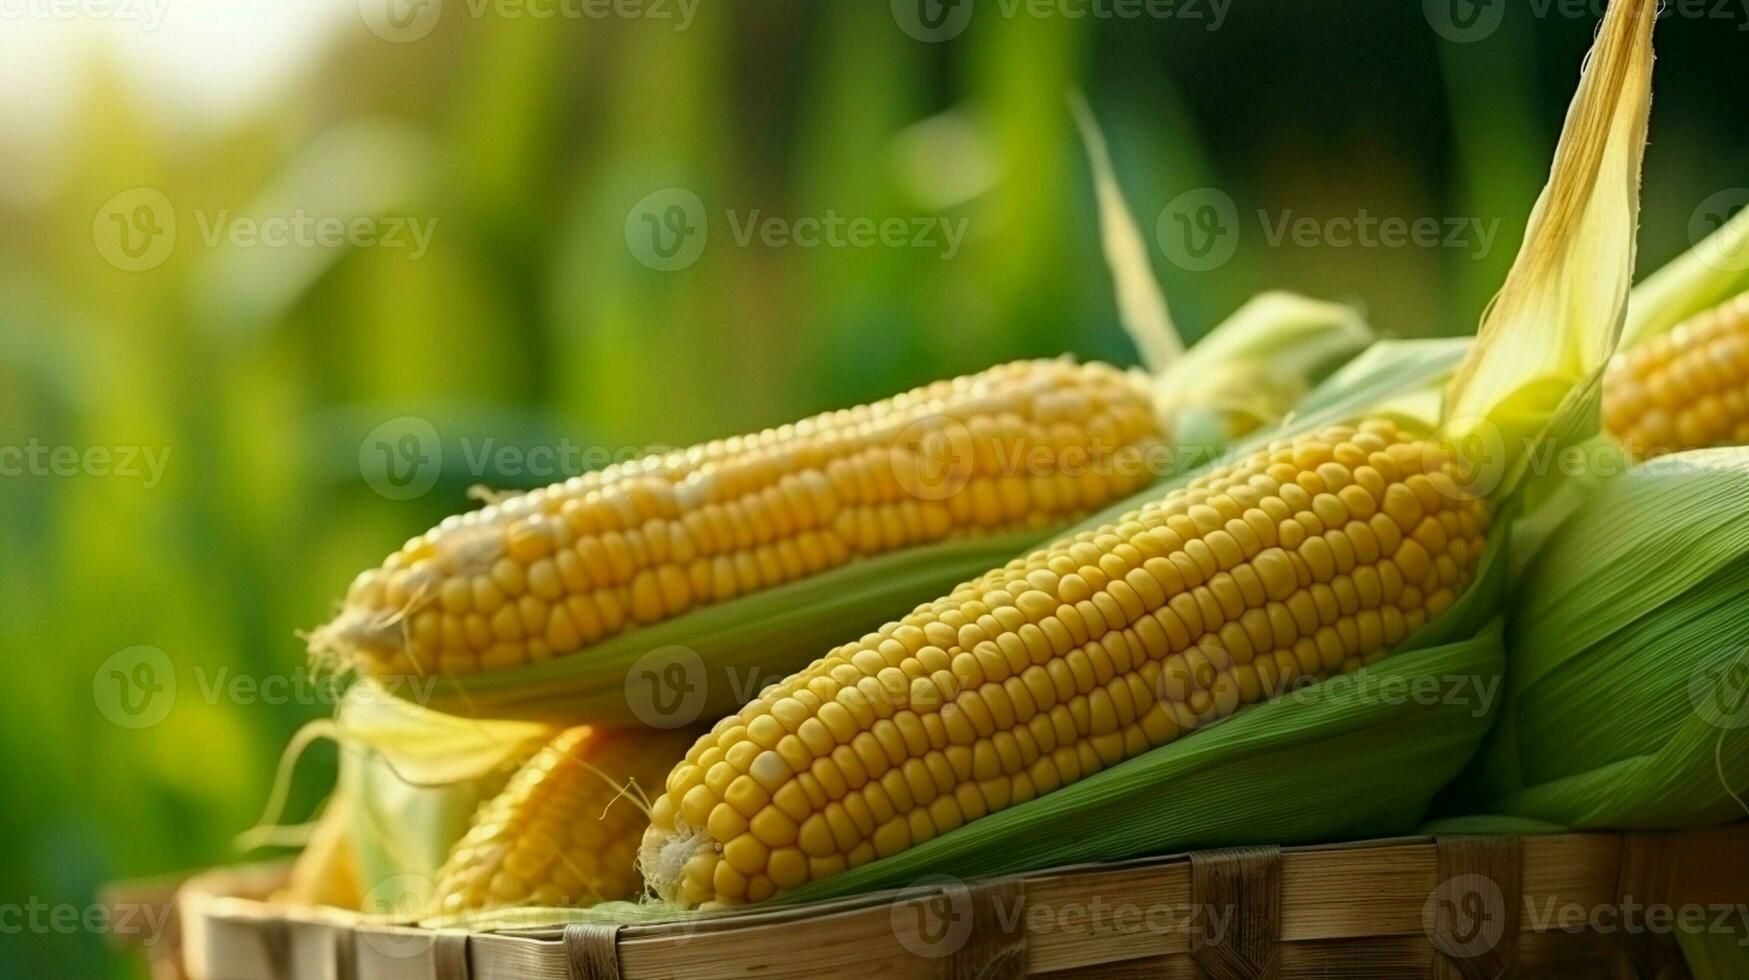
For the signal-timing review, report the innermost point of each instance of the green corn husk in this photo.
(1716, 954)
(1637, 716)
(410, 780)
(1628, 696)
(400, 831)
(1363, 754)
(1711, 273)
(406, 819)
(1628, 666)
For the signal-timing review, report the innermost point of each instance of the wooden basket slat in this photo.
(1357, 958)
(1177, 966)
(1328, 894)
(1360, 911)
(1572, 868)
(842, 943)
(1570, 956)
(1711, 864)
(1064, 942)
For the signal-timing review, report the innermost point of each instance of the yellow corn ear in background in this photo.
(558, 834)
(1307, 558)
(547, 573)
(1685, 389)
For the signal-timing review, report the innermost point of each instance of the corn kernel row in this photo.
(1686, 389)
(557, 835)
(547, 573)
(1308, 558)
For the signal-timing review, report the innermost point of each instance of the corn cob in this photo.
(547, 573)
(1309, 557)
(551, 837)
(1686, 389)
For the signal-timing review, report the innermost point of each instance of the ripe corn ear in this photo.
(557, 835)
(548, 573)
(1309, 557)
(1685, 389)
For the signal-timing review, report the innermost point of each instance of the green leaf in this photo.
(1630, 658)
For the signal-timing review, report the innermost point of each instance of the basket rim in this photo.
(1382, 891)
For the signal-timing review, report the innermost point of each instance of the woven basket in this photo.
(1403, 907)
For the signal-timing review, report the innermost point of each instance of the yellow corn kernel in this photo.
(1142, 647)
(1686, 389)
(642, 542)
(556, 835)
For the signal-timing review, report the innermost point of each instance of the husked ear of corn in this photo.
(558, 834)
(548, 573)
(1685, 389)
(1310, 557)
(1314, 555)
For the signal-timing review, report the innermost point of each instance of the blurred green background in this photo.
(242, 377)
